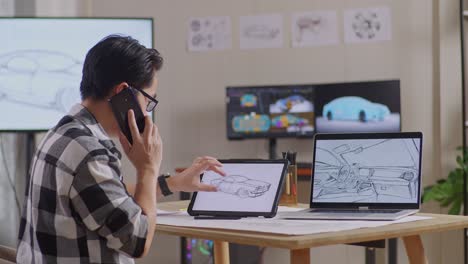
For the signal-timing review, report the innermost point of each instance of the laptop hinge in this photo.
(363, 208)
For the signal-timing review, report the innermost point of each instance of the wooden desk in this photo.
(299, 245)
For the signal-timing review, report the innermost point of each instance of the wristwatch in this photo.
(163, 184)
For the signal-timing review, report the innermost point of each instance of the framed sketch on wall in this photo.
(365, 25)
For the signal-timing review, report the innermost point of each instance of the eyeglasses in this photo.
(152, 103)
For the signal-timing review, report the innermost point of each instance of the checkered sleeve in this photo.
(101, 202)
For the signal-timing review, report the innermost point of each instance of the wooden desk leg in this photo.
(221, 252)
(300, 256)
(415, 250)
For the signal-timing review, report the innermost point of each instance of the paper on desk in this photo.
(164, 212)
(184, 212)
(282, 209)
(279, 226)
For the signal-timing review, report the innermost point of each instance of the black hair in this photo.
(116, 59)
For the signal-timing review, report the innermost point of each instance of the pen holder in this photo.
(289, 194)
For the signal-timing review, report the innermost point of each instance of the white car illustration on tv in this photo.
(40, 78)
(241, 186)
(355, 108)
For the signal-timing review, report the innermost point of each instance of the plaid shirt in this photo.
(77, 209)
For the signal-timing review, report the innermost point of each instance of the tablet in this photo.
(250, 188)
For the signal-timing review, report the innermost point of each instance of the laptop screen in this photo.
(367, 170)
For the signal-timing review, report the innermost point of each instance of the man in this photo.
(77, 209)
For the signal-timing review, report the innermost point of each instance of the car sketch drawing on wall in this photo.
(354, 108)
(241, 186)
(40, 78)
(261, 32)
(357, 173)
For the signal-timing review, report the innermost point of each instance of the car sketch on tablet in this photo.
(241, 186)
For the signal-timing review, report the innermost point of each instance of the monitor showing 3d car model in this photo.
(270, 111)
(358, 107)
(41, 61)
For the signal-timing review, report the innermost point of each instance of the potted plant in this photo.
(449, 192)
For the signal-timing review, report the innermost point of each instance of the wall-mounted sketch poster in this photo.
(209, 33)
(358, 107)
(367, 170)
(249, 187)
(41, 61)
(263, 31)
(367, 25)
(314, 28)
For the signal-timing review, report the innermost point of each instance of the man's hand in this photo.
(189, 179)
(146, 151)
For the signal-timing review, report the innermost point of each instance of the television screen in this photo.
(358, 107)
(41, 61)
(270, 111)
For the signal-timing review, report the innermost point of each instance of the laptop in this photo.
(364, 176)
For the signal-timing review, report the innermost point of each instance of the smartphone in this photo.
(120, 104)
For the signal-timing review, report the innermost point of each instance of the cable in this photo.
(10, 180)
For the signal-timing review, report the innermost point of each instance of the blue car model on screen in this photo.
(354, 108)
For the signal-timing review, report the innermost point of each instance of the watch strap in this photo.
(163, 185)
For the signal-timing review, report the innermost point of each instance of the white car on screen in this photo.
(40, 78)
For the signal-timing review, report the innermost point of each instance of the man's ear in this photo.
(118, 88)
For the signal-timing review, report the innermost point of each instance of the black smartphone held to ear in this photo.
(120, 104)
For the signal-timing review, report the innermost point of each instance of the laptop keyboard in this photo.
(370, 211)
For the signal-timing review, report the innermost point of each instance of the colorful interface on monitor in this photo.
(276, 111)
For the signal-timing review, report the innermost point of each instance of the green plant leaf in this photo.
(458, 188)
(449, 191)
(428, 195)
(448, 201)
(454, 174)
(438, 193)
(447, 188)
(456, 207)
(441, 181)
